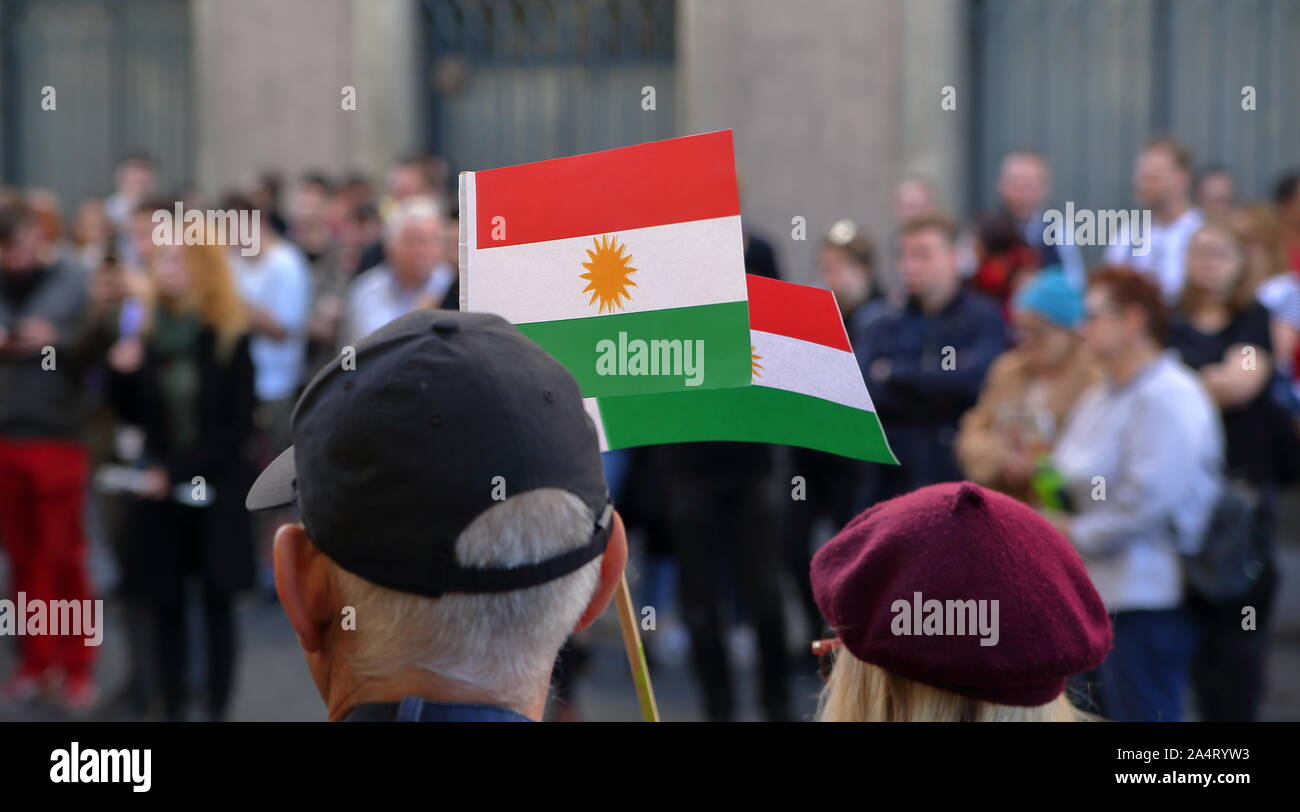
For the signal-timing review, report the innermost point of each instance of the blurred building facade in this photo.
(832, 101)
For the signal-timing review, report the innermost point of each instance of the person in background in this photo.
(720, 505)
(139, 234)
(1024, 186)
(1286, 198)
(1222, 331)
(309, 225)
(188, 381)
(1279, 292)
(43, 462)
(411, 177)
(1216, 192)
(263, 194)
(846, 262)
(117, 308)
(1162, 180)
(925, 361)
(1140, 461)
(760, 257)
(415, 276)
(1029, 391)
(913, 197)
(134, 180)
(1035, 624)
(92, 235)
(276, 286)
(1279, 287)
(452, 238)
(310, 229)
(47, 213)
(1004, 261)
(361, 229)
(277, 289)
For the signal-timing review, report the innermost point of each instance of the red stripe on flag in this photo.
(797, 311)
(654, 184)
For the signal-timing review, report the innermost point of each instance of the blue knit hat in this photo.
(1051, 296)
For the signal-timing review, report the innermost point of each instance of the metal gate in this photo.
(1086, 82)
(507, 81)
(121, 75)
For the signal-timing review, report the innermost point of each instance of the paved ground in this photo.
(273, 684)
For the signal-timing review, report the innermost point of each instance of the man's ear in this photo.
(303, 581)
(611, 573)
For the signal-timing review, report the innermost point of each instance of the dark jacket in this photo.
(920, 401)
(166, 540)
(36, 402)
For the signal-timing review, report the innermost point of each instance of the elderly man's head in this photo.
(491, 648)
(1023, 183)
(456, 524)
(414, 242)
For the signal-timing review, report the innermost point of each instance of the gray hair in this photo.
(417, 208)
(502, 643)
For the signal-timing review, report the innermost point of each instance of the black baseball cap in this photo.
(393, 458)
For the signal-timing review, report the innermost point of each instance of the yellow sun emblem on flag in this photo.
(608, 272)
(754, 359)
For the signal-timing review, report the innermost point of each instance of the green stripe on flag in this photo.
(756, 414)
(723, 329)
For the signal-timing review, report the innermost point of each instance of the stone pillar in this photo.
(934, 56)
(269, 76)
(812, 92)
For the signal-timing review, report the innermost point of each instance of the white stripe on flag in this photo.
(468, 231)
(541, 281)
(809, 369)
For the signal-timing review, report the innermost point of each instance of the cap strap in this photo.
(506, 579)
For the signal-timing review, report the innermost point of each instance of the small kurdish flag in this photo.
(626, 265)
(807, 388)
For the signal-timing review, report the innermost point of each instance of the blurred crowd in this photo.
(142, 383)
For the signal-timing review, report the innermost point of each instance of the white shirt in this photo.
(374, 298)
(277, 281)
(1167, 258)
(1281, 295)
(1157, 446)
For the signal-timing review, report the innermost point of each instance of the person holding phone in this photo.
(186, 378)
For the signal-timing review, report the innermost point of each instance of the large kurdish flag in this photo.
(626, 265)
(807, 388)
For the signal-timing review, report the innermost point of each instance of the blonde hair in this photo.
(858, 691)
(213, 294)
(1242, 295)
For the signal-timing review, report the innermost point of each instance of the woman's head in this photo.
(1219, 269)
(1259, 226)
(934, 623)
(1045, 312)
(198, 279)
(1122, 309)
(91, 225)
(847, 264)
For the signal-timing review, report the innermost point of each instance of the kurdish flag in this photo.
(626, 265)
(807, 388)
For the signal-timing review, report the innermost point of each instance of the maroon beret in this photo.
(965, 589)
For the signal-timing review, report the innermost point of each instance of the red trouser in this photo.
(42, 499)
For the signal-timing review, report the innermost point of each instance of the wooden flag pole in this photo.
(645, 692)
